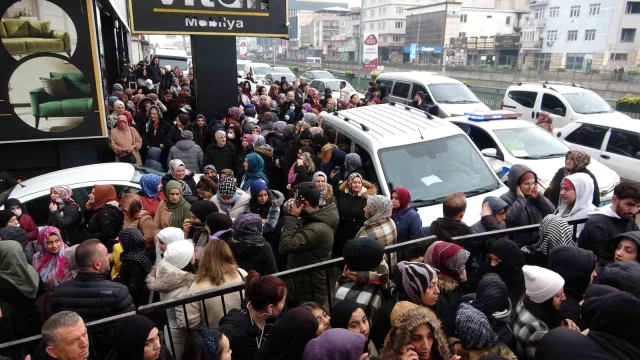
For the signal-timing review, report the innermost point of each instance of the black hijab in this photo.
(289, 336)
(201, 209)
(342, 312)
(575, 265)
(509, 268)
(129, 337)
(218, 221)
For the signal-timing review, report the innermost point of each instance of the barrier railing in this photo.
(159, 308)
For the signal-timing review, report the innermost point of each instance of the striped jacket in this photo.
(384, 232)
(528, 331)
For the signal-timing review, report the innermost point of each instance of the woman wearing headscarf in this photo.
(231, 200)
(105, 217)
(365, 276)
(408, 222)
(476, 337)
(50, 262)
(26, 221)
(379, 225)
(126, 142)
(506, 260)
(326, 190)
(171, 278)
(137, 338)
(156, 131)
(151, 194)
(219, 226)
(267, 204)
(349, 314)
(302, 170)
(418, 327)
(253, 167)
(576, 161)
(178, 172)
(135, 266)
(166, 237)
(20, 285)
(335, 164)
(335, 344)
(201, 132)
(173, 210)
(249, 248)
(554, 232)
(351, 201)
(65, 214)
(246, 147)
(207, 344)
(137, 217)
(575, 202)
(72, 265)
(449, 259)
(275, 138)
(289, 336)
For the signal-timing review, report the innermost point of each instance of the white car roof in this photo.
(560, 88)
(107, 173)
(622, 124)
(494, 124)
(259, 65)
(422, 76)
(389, 125)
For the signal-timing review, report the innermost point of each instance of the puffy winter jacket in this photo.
(105, 224)
(68, 220)
(190, 153)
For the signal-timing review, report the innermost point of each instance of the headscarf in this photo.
(278, 127)
(289, 132)
(256, 188)
(249, 139)
(247, 228)
(335, 344)
(380, 208)
(180, 210)
(65, 193)
(491, 295)
(364, 262)
(412, 280)
(129, 337)
(103, 194)
(353, 163)
(122, 120)
(15, 269)
(259, 140)
(202, 208)
(70, 256)
(227, 172)
(310, 118)
(132, 242)
(173, 168)
(306, 107)
(255, 171)
(580, 160)
(289, 336)
(510, 266)
(448, 258)
(341, 313)
(326, 182)
(352, 177)
(167, 235)
(404, 198)
(227, 187)
(235, 113)
(473, 329)
(211, 338)
(219, 221)
(51, 267)
(149, 184)
(5, 216)
(210, 167)
(553, 232)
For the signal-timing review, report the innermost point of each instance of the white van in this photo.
(313, 61)
(257, 70)
(240, 66)
(450, 95)
(172, 56)
(564, 102)
(405, 147)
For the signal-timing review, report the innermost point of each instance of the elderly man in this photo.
(221, 154)
(65, 337)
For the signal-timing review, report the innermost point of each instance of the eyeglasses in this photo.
(529, 184)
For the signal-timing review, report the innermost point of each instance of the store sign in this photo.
(437, 49)
(413, 49)
(259, 18)
(507, 42)
(458, 43)
(370, 51)
(51, 91)
(325, 49)
(243, 49)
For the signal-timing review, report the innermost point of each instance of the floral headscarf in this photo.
(65, 193)
(235, 113)
(380, 208)
(580, 160)
(149, 184)
(51, 267)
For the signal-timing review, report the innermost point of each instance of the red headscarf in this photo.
(51, 267)
(103, 194)
(403, 197)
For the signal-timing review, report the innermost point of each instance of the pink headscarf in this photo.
(174, 165)
(51, 267)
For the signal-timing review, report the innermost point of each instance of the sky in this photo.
(354, 3)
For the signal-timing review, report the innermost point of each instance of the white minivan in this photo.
(451, 96)
(564, 102)
(401, 146)
(257, 70)
(240, 66)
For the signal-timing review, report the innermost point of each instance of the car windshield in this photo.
(263, 70)
(289, 77)
(531, 143)
(438, 168)
(588, 103)
(323, 75)
(240, 67)
(282, 70)
(180, 63)
(452, 93)
(335, 85)
(141, 170)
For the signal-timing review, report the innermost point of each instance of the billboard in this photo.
(370, 51)
(507, 42)
(243, 49)
(255, 18)
(50, 75)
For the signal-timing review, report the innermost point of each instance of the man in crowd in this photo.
(154, 72)
(64, 337)
(221, 154)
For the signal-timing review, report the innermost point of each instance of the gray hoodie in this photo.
(190, 153)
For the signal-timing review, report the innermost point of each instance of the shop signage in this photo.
(507, 42)
(436, 49)
(458, 43)
(370, 51)
(413, 49)
(257, 18)
(243, 49)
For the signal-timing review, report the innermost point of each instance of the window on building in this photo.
(462, 34)
(379, 11)
(371, 26)
(372, 13)
(628, 35)
(399, 25)
(384, 11)
(397, 39)
(618, 57)
(399, 10)
(572, 35)
(554, 12)
(539, 14)
(590, 35)
(552, 35)
(379, 26)
(384, 38)
(528, 35)
(574, 11)
(575, 62)
(594, 9)
(633, 7)
(508, 22)
(489, 16)
(384, 25)
(463, 18)
(541, 61)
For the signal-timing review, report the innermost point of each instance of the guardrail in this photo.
(158, 310)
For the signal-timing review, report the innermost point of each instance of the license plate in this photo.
(605, 203)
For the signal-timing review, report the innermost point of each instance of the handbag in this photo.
(129, 158)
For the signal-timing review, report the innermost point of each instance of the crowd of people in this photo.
(277, 195)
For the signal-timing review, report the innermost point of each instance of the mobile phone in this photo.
(336, 168)
(198, 224)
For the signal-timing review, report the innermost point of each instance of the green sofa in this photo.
(22, 37)
(78, 104)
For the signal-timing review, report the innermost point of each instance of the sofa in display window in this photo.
(77, 102)
(23, 37)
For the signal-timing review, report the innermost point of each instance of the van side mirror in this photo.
(559, 111)
(490, 152)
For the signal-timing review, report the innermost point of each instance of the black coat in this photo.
(243, 335)
(68, 223)
(598, 229)
(105, 224)
(134, 277)
(221, 157)
(160, 135)
(351, 209)
(154, 72)
(553, 191)
(26, 308)
(258, 258)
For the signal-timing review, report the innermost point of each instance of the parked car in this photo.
(334, 85)
(317, 74)
(257, 70)
(452, 97)
(505, 141)
(283, 70)
(272, 77)
(564, 102)
(240, 66)
(613, 141)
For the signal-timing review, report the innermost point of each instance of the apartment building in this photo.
(315, 37)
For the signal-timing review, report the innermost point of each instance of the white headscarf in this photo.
(179, 253)
(167, 236)
(583, 185)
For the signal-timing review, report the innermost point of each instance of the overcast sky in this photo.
(354, 3)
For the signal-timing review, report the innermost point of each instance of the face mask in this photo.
(286, 117)
(231, 136)
(17, 225)
(17, 212)
(292, 107)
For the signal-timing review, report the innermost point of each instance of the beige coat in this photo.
(146, 227)
(163, 217)
(215, 312)
(121, 140)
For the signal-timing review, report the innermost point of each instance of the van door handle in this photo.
(532, 115)
(605, 157)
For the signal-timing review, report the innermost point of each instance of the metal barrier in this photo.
(490, 96)
(159, 308)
